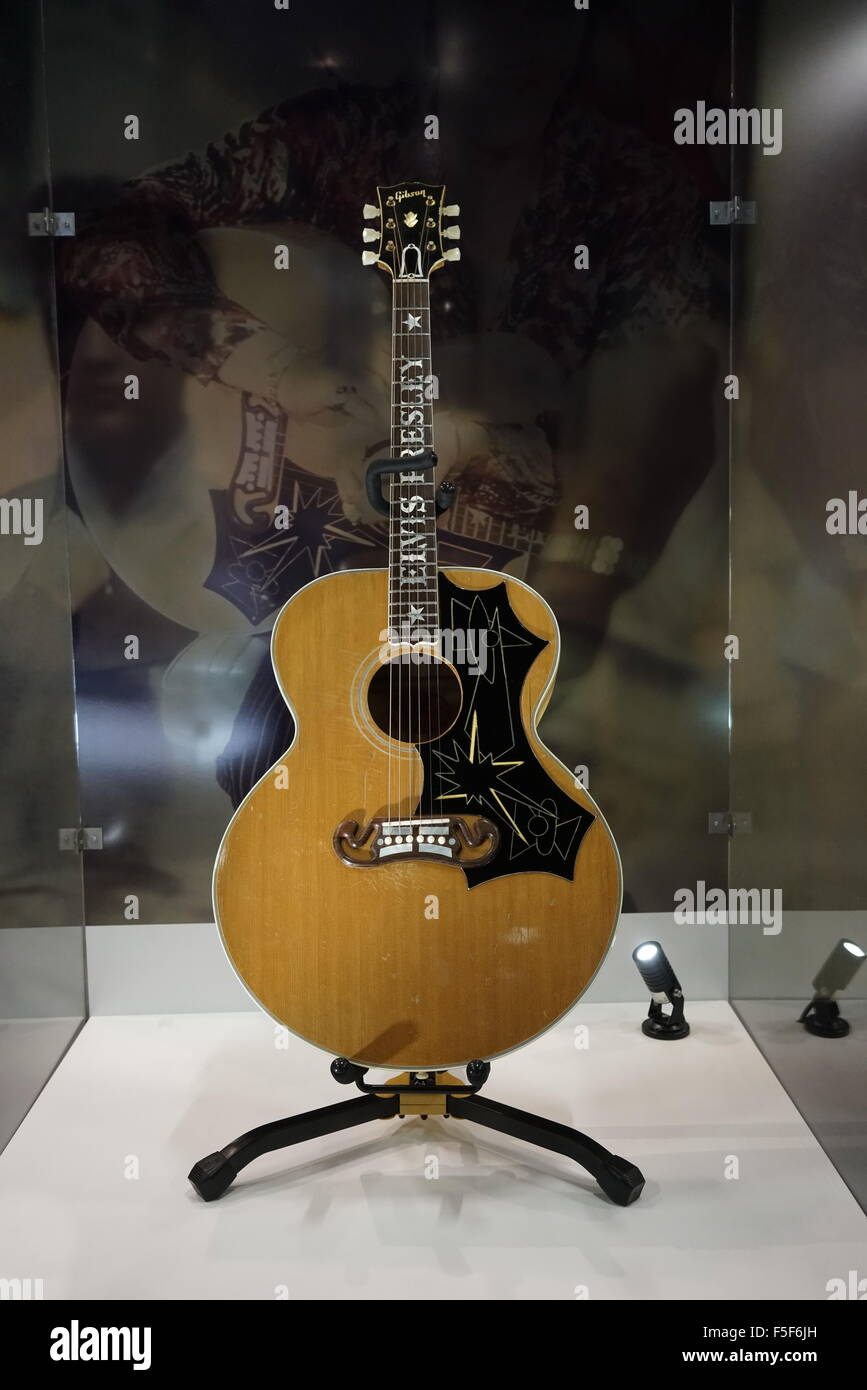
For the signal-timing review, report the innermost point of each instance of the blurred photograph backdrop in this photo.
(191, 140)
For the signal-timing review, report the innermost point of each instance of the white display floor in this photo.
(413, 1209)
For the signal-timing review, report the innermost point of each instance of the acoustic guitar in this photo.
(419, 881)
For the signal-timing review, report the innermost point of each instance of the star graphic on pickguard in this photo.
(477, 779)
(412, 321)
(472, 771)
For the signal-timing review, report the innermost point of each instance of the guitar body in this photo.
(414, 963)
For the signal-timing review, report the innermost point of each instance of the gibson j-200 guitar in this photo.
(418, 881)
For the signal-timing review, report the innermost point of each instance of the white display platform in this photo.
(357, 1216)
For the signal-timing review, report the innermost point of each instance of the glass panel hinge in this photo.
(729, 822)
(48, 223)
(734, 210)
(80, 837)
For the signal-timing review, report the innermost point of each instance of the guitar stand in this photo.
(420, 1094)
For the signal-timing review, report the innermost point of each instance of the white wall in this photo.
(137, 968)
(182, 968)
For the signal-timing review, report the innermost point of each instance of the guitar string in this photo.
(421, 597)
(393, 591)
(434, 580)
(399, 560)
(404, 673)
(412, 491)
(389, 616)
(422, 590)
(406, 600)
(423, 668)
(392, 603)
(403, 676)
(412, 350)
(430, 535)
(416, 347)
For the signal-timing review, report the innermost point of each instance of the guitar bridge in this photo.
(444, 839)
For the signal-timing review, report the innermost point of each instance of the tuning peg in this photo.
(452, 232)
(368, 212)
(453, 210)
(370, 234)
(452, 255)
(369, 258)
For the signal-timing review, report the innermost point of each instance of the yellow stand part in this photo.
(423, 1102)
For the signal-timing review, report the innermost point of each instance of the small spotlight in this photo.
(656, 972)
(822, 1014)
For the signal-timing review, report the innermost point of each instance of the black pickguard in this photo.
(485, 764)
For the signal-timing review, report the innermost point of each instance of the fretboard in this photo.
(413, 603)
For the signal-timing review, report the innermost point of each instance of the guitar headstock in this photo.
(411, 232)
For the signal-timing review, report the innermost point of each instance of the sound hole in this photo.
(414, 703)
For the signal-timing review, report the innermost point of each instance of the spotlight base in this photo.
(664, 1028)
(822, 1018)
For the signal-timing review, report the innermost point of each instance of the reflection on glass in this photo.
(41, 947)
(799, 566)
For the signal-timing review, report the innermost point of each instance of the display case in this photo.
(646, 389)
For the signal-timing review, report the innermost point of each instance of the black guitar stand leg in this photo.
(419, 1094)
(214, 1175)
(619, 1179)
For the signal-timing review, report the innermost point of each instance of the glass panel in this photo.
(42, 988)
(566, 379)
(799, 560)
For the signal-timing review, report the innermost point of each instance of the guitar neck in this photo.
(413, 599)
